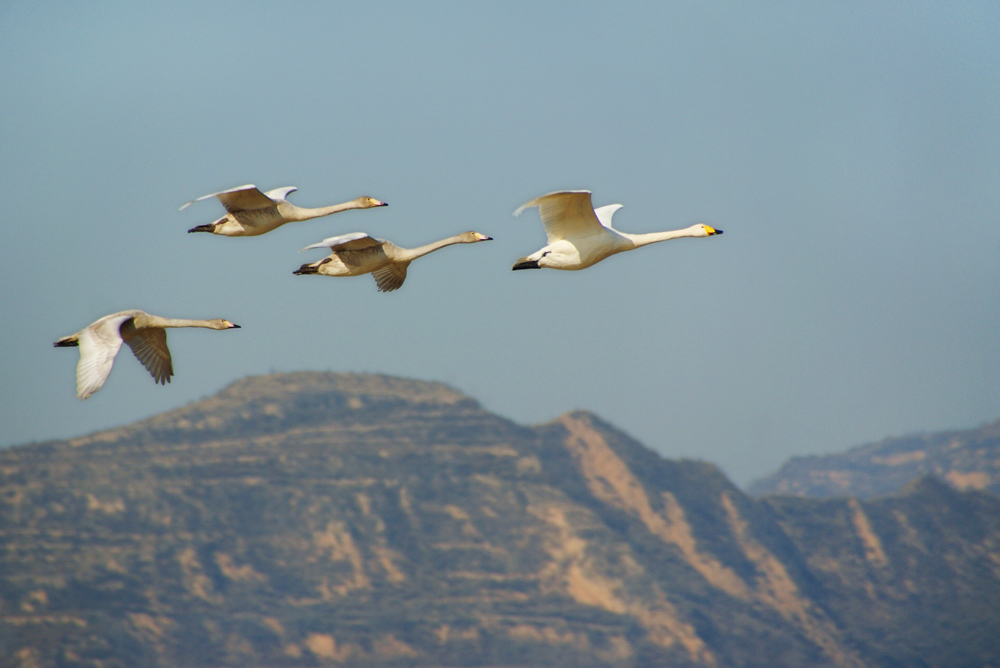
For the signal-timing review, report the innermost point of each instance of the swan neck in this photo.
(156, 321)
(653, 237)
(413, 253)
(305, 213)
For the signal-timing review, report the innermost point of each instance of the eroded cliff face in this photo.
(334, 519)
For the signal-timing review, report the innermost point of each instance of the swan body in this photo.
(145, 334)
(357, 253)
(249, 212)
(580, 235)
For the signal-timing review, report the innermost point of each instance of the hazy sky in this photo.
(850, 152)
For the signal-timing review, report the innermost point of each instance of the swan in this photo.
(580, 235)
(145, 334)
(357, 253)
(250, 212)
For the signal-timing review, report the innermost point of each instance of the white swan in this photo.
(580, 236)
(100, 341)
(251, 212)
(357, 253)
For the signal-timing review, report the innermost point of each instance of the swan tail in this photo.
(305, 269)
(203, 228)
(67, 342)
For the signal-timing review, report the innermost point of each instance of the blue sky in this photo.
(850, 151)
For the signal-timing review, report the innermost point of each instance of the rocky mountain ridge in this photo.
(334, 519)
(966, 458)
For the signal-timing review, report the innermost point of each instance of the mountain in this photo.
(320, 519)
(968, 459)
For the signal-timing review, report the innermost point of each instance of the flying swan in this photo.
(145, 335)
(357, 253)
(250, 212)
(580, 236)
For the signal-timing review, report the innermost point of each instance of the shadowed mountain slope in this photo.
(968, 459)
(312, 519)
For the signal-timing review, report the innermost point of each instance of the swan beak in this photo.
(718, 231)
(233, 325)
(525, 264)
(483, 237)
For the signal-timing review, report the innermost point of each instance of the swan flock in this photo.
(578, 236)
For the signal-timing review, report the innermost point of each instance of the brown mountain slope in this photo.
(330, 519)
(968, 459)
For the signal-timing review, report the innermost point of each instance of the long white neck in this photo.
(297, 213)
(156, 321)
(653, 237)
(409, 254)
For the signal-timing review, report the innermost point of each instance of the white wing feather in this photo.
(343, 242)
(279, 194)
(99, 343)
(242, 198)
(568, 214)
(605, 213)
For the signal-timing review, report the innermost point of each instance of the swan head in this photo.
(702, 230)
(369, 202)
(473, 237)
(222, 323)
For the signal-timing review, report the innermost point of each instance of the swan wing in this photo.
(99, 343)
(279, 194)
(390, 277)
(350, 241)
(605, 213)
(150, 348)
(243, 198)
(565, 215)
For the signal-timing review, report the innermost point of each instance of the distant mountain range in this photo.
(968, 459)
(319, 519)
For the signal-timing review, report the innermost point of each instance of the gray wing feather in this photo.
(150, 348)
(390, 277)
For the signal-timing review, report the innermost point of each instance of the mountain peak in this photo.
(283, 385)
(279, 401)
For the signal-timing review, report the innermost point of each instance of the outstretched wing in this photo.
(390, 277)
(99, 343)
(565, 215)
(150, 347)
(350, 241)
(605, 213)
(280, 193)
(243, 198)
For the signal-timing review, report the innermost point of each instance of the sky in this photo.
(850, 152)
